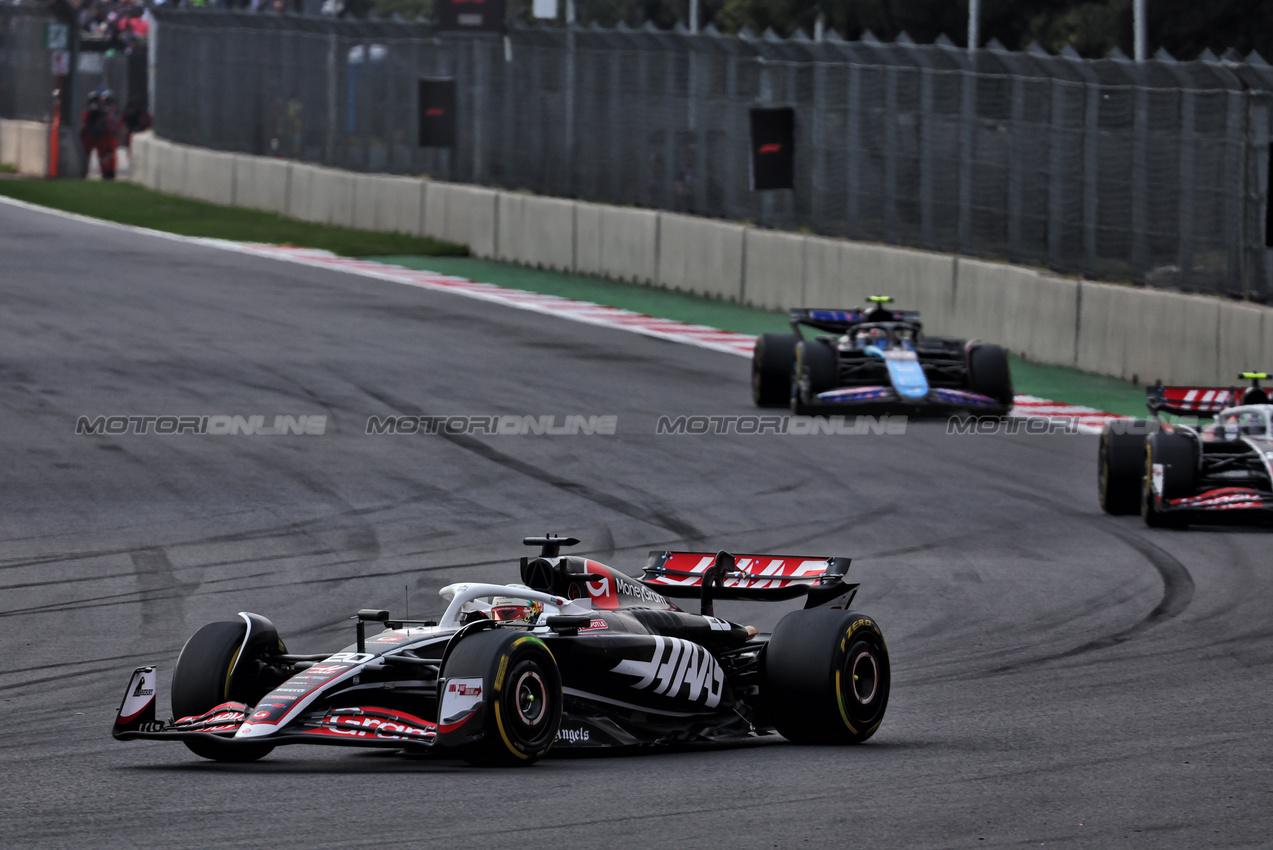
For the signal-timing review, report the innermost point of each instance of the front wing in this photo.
(883, 400)
(1223, 500)
(361, 726)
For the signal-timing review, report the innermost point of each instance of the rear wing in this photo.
(756, 577)
(840, 321)
(1190, 401)
(1195, 401)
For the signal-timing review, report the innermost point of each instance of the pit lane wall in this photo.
(1108, 329)
(25, 146)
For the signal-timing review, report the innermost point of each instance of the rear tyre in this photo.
(817, 370)
(826, 677)
(1120, 467)
(522, 711)
(201, 681)
(1177, 455)
(989, 375)
(772, 361)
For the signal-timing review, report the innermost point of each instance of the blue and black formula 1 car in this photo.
(877, 361)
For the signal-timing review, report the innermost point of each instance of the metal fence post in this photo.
(967, 127)
(1188, 109)
(1091, 138)
(330, 145)
(1016, 157)
(926, 122)
(853, 152)
(734, 176)
(568, 152)
(1140, 180)
(478, 60)
(819, 137)
(890, 153)
(1056, 170)
(1234, 186)
(766, 99)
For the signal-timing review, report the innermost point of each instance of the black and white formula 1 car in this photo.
(579, 656)
(877, 361)
(1175, 474)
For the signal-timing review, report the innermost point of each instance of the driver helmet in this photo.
(513, 609)
(878, 337)
(1255, 395)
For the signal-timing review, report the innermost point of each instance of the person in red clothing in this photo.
(99, 131)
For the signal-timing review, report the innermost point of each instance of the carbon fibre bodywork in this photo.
(634, 668)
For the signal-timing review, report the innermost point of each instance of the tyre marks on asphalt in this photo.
(162, 597)
(652, 514)
(1177, 583)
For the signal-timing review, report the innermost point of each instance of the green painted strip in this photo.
(1052, 382)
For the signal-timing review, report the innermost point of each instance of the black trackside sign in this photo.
(773, 149)
(469, 15)
(437, 107)
(437, 113)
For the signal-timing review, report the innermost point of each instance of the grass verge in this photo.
(129, 203)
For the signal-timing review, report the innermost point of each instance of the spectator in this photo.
(99, 131)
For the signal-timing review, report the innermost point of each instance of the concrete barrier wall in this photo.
(538, 232)
(701, 256)
(210, 176)
(31, 156)
(331, 197)
(1149, 335)
(8, 142)
(139, 159)
(390, 204)
(170, 168)
(298, 192)
(261, 183)
(616, 243)
(773, 269)
(1246, 340)
(33, 149)
(465, 214)
(144, 152)
(1028, 313)
(1113, 330)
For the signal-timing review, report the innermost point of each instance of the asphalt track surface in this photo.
(1060, 677)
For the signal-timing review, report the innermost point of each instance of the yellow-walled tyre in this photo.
(1120, 468)
(826, 677)
(521, 709)
(201, 681)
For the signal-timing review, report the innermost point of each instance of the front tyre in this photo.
(522, 709)
(772, 362)
(817, 370)
(989, 374)
(201, 681)
(1171, 463)
(826, 677)
(1120, 467)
